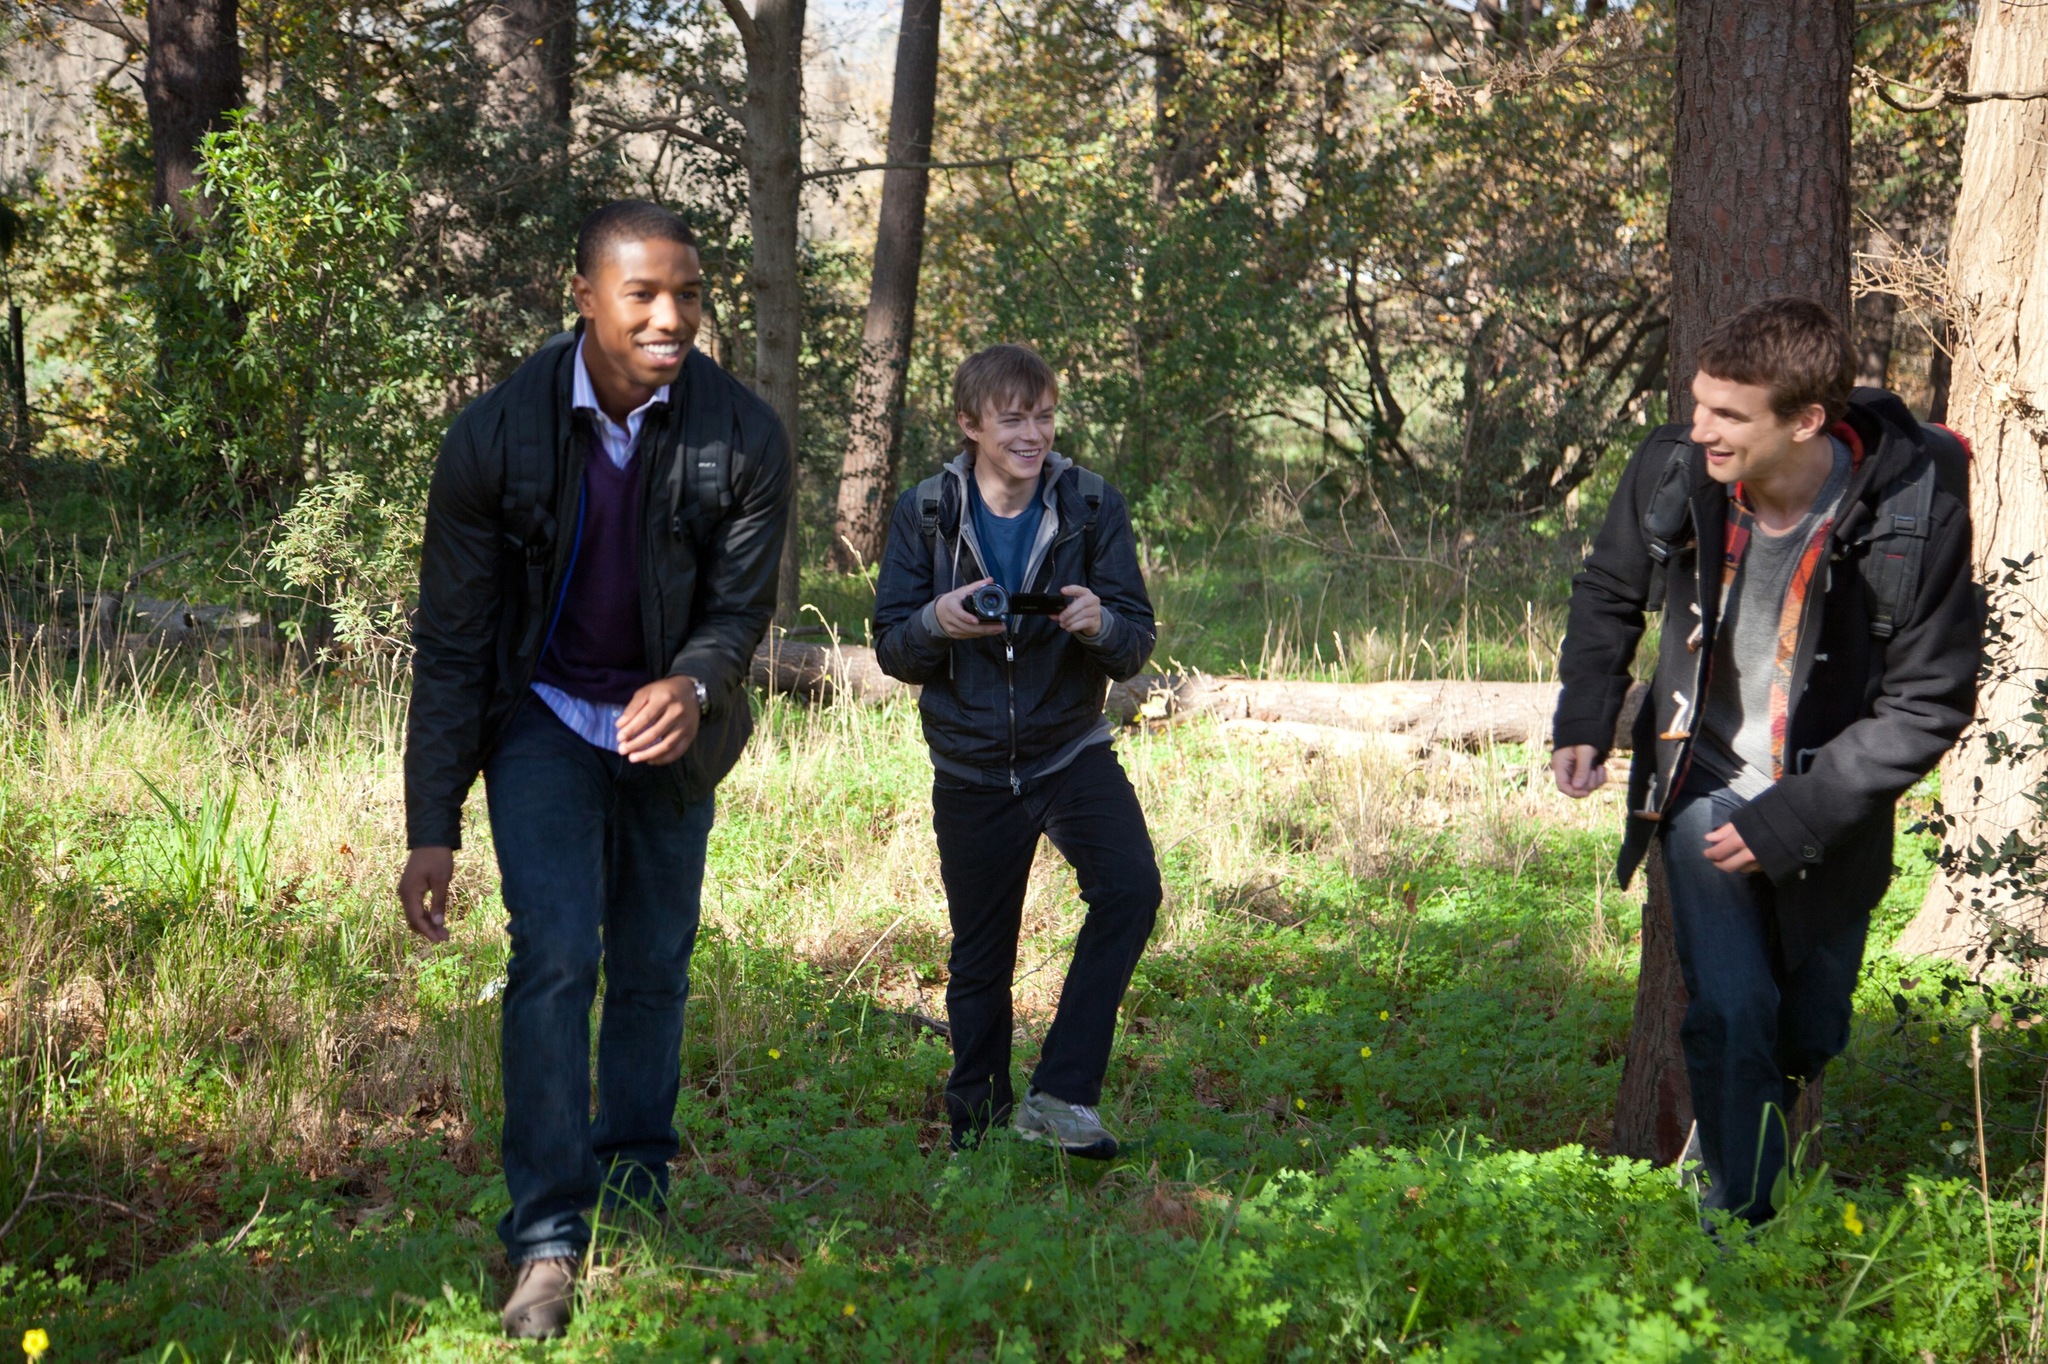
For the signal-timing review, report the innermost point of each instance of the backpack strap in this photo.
(1897, 544)
(1667, 521)
(931, 501)
(700, 449)
(527, 507)
(1090, 485)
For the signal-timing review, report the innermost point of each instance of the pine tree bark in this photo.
(1654, 1116)
(1998, 398)
(1759, 206)
(1760, 164)
(867, 476)
(191, 79)
(528, 49)
(771, 120)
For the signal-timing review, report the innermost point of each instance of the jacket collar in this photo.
(1882, 449)
(961, 466)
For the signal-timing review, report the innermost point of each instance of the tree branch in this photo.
(750, 32)
(105, 18)
(1881, 84)
(674, 128)
(834, 172)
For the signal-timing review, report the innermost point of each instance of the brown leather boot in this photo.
(543, 1299)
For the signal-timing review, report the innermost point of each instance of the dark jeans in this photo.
(1755, 1031)
(601, 860)
(987, 840)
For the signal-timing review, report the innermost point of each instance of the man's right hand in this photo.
(423, 890)
(960, 623)
(1578, 770)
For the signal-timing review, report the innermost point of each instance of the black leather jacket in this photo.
(1007, 709)
(1869, 716)
(501, 521)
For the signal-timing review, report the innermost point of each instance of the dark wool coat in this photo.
(1868, 716)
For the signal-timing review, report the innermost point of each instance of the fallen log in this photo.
(824, 672)
(1435, 714)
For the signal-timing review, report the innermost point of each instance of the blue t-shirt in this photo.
(1005, 540)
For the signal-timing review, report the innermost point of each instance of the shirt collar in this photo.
(584, 394)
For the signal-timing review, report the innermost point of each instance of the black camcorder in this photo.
(990, 602)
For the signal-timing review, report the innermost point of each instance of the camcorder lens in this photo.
(988, 602)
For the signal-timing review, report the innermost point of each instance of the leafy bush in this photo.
(286, 342)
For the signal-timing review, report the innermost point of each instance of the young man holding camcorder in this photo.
(1011, 592)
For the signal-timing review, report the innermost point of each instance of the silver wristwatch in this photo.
(703, 697)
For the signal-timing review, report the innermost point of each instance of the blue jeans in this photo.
(601, 861)
(1756, 1031)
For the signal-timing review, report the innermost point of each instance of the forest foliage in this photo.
(1415, 258)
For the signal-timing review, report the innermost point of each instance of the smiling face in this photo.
(641, 307)
(1745, 440)
(1011, 439)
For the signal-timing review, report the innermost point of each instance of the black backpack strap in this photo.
(1897, 544)
(527, 507)
(1667, 522)
(1090, 485)
(931, 501)
(701, 450)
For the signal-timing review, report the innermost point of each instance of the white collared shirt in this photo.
(594, 721)
(618, 441)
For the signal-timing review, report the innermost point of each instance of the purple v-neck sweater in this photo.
(598, 652)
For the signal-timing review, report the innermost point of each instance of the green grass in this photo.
(1365, 1072)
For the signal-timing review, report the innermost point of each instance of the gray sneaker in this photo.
(542, 1301)
(1076, 1128)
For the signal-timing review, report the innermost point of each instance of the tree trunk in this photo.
(1447, 714)
(1874, 323)
(22, 438)
(1940, 373)
(1760, 164)
(1653, 1115)
(1759, 206)
(868, 475)
(1998, 268)
(528, 47)
(772, 120)
(190, 80)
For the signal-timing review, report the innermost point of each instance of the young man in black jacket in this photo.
(1810, 550)
(603, 531)
(1012, 709)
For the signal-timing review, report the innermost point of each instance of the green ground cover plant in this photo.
(1366, 1071)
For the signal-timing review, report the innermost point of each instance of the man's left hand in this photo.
(1726, 850)
(1083, 615)
(660, 722)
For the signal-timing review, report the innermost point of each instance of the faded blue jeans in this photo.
(1756, 1031)
(601, 861)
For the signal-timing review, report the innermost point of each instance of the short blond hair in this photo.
(999, 374)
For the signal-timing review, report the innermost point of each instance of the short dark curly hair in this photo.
(1794, 346)
(627, 220)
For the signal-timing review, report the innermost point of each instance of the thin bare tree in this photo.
(867, 475)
